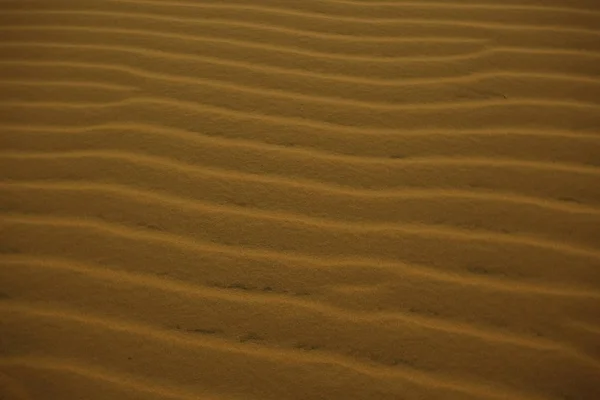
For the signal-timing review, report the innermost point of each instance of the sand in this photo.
(316, 199)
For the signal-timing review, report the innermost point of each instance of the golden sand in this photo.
(312, 199)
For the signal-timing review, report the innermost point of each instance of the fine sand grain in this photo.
(312, 199)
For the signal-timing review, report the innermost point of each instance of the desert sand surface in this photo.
(312, 199)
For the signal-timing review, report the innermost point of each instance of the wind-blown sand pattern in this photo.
(317, 199)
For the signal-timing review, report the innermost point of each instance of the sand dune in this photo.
(322, 199)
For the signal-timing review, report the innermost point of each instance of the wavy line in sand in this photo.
(434, 161)
(66, 83)
(274, 32)
(312, 155)
(243, 24)
(315, 154)
(446, 232)
(286, 95)
(150, 387)
(322, 188)
(264, 352)
(314, 115)
(278, 11)
(319, 262)
(297, 51)
(462, 6)
(404, 107)
(255, 45)
(137, 72)
(413, 4)
(169, 285)
(188, 57)
(306, 151)
(409, 111)
(300, 187)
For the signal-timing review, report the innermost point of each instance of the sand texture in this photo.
(299, 200)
